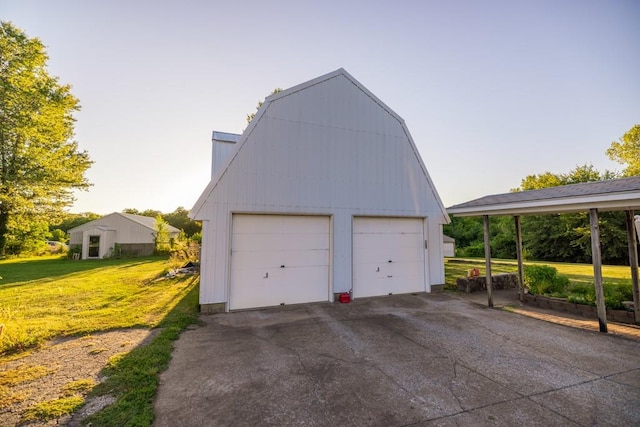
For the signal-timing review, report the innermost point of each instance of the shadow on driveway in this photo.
(424, 360)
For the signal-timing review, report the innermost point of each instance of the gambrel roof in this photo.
(301, 126)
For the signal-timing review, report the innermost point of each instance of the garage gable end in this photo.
(325, 144)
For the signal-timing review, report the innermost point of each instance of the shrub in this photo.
(544, 280)
(473, 251)
(582, 293)
(614, 294)
(74, 249)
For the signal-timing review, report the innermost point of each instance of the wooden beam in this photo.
(633, 263)
(519, 254)
(487, 260)
(597, 268)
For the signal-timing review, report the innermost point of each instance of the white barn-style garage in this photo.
(323, 193)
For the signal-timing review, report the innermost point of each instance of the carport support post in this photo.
(487, 260)
(633, 263)
(597, 268)
(519, 254)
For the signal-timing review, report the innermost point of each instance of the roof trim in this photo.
(130, 217)
(614, 194)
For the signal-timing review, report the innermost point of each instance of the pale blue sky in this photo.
(491, 91)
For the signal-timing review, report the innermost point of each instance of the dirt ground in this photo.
(67, 360)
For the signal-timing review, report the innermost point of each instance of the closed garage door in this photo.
(388, 256)
(278, 259)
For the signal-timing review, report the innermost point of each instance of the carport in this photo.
(610, 195)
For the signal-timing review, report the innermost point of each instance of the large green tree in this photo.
(567, 237)
(627, 151)
(40, 164)
(557, 237)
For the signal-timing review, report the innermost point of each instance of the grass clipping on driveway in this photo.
(45, 298)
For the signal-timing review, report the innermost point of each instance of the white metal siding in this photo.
(75, 238)
(388, 256)
(221, 152)
(279, 260)
(328, 147)
(449, 249)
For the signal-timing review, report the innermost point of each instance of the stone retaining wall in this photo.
(479, 283)
(589, 311)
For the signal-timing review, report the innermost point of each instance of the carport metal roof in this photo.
(614, 194)
(610, 195)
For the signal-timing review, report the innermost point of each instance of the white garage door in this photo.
(388, 256)
(278, 259)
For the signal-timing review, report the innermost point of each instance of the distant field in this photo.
(45, 297)
(577, 273)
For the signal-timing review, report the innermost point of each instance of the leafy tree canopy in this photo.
(626, 151)
(40, 165)
(567, 237)
(584, 173)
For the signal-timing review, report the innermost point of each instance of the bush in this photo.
(582, 293)
(473, 251)
(614, 294)
(544, 280)
(74, 249)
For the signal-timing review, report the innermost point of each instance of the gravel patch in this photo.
(67, 360)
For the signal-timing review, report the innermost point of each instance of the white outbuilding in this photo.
(116, 234)
(449, 246)
(323, 193)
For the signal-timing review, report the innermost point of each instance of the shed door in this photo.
(278, 259)
(388, 256)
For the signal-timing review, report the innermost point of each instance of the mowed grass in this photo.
(577, 273)
(43, 298)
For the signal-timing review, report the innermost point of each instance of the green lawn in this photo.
(577, 273)
(43, 298)
(579, 288)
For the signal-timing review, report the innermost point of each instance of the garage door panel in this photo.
(411, 271)
(309, 241)
(302, 225)
(376, 241)
(256, 242)
(386, 225)
(263, 259)
(280, 241)
(261, 244)
(257, 224)
(280, 286)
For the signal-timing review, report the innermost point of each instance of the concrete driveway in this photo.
(424, 360)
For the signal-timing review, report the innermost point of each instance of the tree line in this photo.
(556, 237)
(41, 165)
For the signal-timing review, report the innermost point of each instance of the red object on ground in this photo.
(344, 298)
